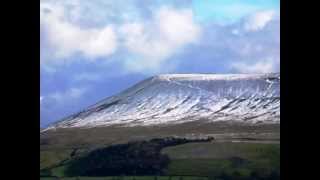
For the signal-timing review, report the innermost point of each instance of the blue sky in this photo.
(90, 50)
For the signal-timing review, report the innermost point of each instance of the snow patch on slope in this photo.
(178, 98)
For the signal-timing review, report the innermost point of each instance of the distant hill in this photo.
(179, 98)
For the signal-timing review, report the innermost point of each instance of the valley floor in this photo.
(130, 178)
(238, 150)
(103, 136)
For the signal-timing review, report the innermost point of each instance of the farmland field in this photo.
(215, 159)
(236, 151)
(130, 178)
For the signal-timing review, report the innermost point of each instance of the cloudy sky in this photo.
(93, 49)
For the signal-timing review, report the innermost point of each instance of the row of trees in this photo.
(133, 158)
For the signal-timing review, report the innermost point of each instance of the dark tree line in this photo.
(134, 158)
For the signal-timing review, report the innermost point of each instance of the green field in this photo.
(222, 158)
(130, 178)
(215, 159)
(211, 159)
(51, 158)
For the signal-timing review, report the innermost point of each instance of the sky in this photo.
(90, 50)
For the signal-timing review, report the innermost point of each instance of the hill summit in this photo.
(177, 98)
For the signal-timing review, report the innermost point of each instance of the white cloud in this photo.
(150, 42)
(70, 94)
(154, 42)
(257, 48)
(264, 66)
(259, 20)
(88, 77)
(177, 26)
(65, 38)
(147, 44)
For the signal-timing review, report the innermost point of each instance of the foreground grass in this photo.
(223, 150)
(49, 158)
(218, 159)
(230, 159)
(130, 178)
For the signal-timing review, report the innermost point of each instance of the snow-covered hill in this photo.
(178, 98)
